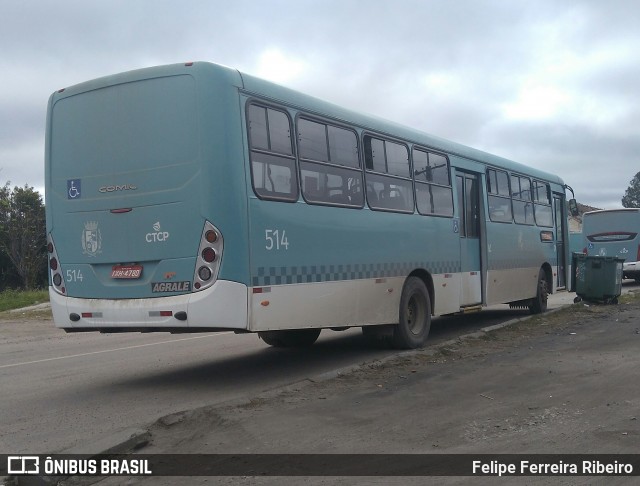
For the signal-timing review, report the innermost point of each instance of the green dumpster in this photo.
(598, 278)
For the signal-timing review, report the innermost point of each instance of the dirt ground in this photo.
(562, 382)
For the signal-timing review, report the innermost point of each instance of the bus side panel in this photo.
(332, 266)
(515, 257)
(222, 185)
(323, 304)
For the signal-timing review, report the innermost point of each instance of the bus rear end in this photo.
(136, 239)
(615, 232)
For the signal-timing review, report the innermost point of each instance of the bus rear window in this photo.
(132, 126)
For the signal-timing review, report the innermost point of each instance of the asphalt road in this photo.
(59, 391)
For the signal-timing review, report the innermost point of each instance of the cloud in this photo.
(546, 83)
(276, 66)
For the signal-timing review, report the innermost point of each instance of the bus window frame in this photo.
(515, 199)
(300, 160)
(536, 202)
(428, 151)
(295, 185)
(490, 194)
(404, 143)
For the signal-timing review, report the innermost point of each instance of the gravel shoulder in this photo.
(561, 382)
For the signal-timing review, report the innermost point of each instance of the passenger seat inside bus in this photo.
(372, 196)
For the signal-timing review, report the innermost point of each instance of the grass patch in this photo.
(630, 297)
(15, 299)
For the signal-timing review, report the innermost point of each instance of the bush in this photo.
(15, 299)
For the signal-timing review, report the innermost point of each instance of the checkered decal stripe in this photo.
(328, 273)
(510, 264)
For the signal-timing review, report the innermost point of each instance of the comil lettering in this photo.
(124, 187)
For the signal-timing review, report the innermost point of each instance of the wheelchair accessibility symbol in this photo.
(73, 189)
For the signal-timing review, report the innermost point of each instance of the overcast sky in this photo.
(553, 84)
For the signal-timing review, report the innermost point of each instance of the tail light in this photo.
(638, 255)
(55, 271)
(209, 256)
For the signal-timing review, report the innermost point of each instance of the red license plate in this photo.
(126, 271)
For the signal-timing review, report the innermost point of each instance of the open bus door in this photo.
(468, 188)
(560, 230)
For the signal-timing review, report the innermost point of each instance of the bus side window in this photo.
(329, 155)
(499, 196)
(434, 195)
(522, 203)
(273, 166)
(389, 185)
(542, 204)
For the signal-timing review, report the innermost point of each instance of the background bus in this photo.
(193, 197)
(614, 232)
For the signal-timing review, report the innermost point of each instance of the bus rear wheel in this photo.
(415, 315)
(290, 338)
(538, 304)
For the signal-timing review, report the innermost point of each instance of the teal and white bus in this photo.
(193, 197)
(614, 232)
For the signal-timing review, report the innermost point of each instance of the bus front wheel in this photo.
(290, 338)
(415, 315)
(539, 302)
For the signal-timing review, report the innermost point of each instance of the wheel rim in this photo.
(415, 314)
(544, 295)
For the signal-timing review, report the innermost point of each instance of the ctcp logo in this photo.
(157, 234)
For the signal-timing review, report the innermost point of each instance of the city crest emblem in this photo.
(91, 239)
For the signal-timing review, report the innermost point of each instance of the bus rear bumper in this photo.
(222, 306)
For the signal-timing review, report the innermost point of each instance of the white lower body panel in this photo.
(345, 303)
(223, 305)
(326, 304)
(512, 285)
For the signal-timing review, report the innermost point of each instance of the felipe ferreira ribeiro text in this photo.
(497, 468)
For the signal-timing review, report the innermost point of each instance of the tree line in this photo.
(23, 241)
(631, 197)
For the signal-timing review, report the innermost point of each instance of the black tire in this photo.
(415, 316)
(539, 302)
(291, 338)
(379, 336)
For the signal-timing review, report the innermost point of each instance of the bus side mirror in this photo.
(573, 207)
